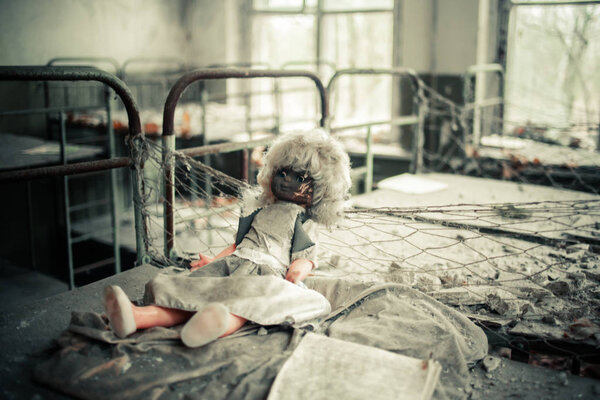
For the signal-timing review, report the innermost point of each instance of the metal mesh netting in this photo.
(502, 264)
(206, 209)
(524, 269)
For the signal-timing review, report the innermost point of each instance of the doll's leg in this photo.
(149, 316)
(125, 318)
(212, 322)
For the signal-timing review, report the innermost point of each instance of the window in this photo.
(553, 73)
(351, 34)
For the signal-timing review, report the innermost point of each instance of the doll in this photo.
(304, 181)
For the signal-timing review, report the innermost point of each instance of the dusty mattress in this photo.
(89, 362)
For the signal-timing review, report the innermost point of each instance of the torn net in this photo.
(525, 268)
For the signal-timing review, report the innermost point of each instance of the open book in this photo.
(326, 368)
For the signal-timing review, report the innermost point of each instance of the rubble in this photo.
(508, 307)
(262, 331)
(533, 329)
(491, 363)
(563, 379)
(559, 288)
(582, 329)
(421, 281)
(472, 295)
(549, 319)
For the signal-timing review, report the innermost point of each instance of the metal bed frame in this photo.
(169, 137)
(114, 189)
(135, 160)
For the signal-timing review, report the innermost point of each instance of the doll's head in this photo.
(288, 184)
(310, 169)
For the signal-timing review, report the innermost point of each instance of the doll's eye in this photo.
(282, 174)
(300, 179)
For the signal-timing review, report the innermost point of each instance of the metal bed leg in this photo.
(168, 189)
(369, 162)
(277, 106)
(206, 160)
(114, 188)
(63, 157)
(416, 166)
(31, 226)
(138, 191)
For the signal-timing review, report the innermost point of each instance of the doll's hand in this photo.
(194, 265)
(299, 270)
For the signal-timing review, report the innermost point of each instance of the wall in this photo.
(455, 39)
(33, 31)
(440, 36)
(207, 31)
(416, 34)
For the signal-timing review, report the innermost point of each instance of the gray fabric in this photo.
(269, 239)
(250, 282)
(246, 289)
(405, 321)
(304, 245)
(244, 225)
(301, 240)
(153, 362)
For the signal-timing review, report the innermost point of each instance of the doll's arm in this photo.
(194, 265)
(299, 270)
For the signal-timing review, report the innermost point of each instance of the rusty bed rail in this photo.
(67, 73)
(85, 62)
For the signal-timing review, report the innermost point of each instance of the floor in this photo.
(20, 286)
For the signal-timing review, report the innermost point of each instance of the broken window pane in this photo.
(348, 40)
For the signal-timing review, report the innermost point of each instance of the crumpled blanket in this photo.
(90, 362)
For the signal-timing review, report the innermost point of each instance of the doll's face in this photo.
(293, 186)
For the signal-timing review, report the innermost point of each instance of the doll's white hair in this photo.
(323, 157)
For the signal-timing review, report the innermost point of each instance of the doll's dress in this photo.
(251, 281)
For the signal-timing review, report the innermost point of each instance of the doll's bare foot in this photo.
(119, 311)
(206, 325)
